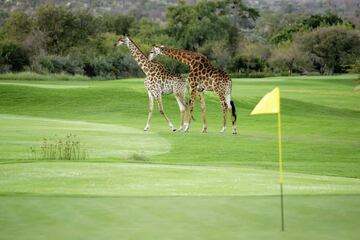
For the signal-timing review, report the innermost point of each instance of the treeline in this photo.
(58, 39)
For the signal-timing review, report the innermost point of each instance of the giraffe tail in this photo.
(233, 110)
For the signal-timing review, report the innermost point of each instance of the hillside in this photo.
(156, 9)
(349, 9)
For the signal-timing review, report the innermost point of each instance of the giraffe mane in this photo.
(137, 47)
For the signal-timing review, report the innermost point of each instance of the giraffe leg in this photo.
(151, 109)
(224, 110)
(203, 109)
(182, 106)
(192, 105)
(161, 110)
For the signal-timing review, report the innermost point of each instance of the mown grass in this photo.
(164, 185)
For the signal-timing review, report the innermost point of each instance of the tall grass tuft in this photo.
(68, 148)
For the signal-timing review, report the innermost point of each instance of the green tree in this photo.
(35, 44)
(194, 25)
(17, 26)
(179, 22)
(64, 27)
(240, 16)
(289, 58)
(331, 47)
(307, 24)
(119, 24)
(251, 56)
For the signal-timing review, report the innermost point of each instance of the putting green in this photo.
(321, 217)
(19, 133)
(135, 179)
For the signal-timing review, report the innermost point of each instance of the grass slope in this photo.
(203, 186)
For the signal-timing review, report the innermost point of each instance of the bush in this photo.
(355, 68)
(12, 57)
(57, 64)
(124, 66)
(111, 66)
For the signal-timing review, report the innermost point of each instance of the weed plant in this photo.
(68, 148)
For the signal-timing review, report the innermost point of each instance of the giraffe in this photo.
(203, 76)
(158, 82)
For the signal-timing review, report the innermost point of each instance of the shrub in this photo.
(57, 64)
(355, 68)
(114, 65)
(12, 57)
(124, 66)
(97, 67)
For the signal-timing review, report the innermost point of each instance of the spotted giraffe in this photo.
(158, 82)
(203, 76)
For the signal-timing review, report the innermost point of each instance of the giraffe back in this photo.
(160, 81)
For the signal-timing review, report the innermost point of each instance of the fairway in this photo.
(184, 185)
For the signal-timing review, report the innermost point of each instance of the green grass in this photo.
(31, 76)
(153, 185)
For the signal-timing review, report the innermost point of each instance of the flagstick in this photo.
(270, 104)
(282, 207)
(281, 179)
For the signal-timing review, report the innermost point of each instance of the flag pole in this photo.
(281, 178)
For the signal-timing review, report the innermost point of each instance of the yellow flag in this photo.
(270, 103)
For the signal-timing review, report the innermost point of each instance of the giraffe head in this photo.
(121, 41)
(156, 50)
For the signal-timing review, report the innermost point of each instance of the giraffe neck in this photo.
(139, 56)
(187, 57)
